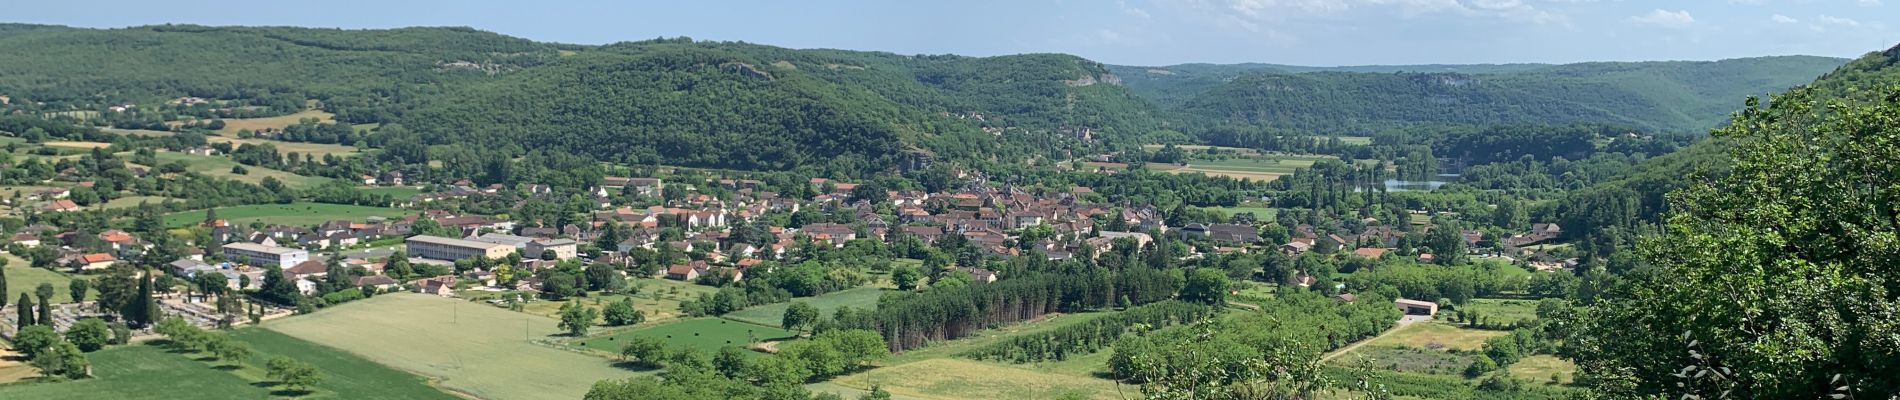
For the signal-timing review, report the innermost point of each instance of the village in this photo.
(703, 229)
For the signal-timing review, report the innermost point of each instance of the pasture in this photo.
(705, 334)
(22, 277)
(233, 125)
(150, 371)
(484, 351)
(1263, 167)
(1538, 368)
(79, 145)
(396, 192)
(1502, 311)
(1260, 212)
(1355, 140)
(658, 298)
(1406, 359)
(294, 214)
(283, 147)
(863, 298)
(949, 378)
(220, 167)
(133, 201)
(1436, 335)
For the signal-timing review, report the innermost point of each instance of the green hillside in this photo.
(1610, 212)
(1664, 96)
(668, 101)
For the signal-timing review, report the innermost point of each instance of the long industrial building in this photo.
(260, 255)
(452, 249)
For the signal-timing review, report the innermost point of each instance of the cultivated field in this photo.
(150, 371)
(396, 192)
(1265, 167)
(1538, 368)
(864, 298)
(283, 147)
(706, 334)
(79, 145)
(133, 201)
(949, 349)
(218, 166)
(22, 277)
(1406, 359)
(1260, 212)
(948, 378)
(485, 351)
(1436, 335)
(232, 126)
(1503, 311)
(294, 214)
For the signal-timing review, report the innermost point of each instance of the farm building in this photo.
(1415, 307)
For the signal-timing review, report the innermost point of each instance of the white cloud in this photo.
(1666, 18)
(1832, 20)
(1132, 11)
(1869, 3)
(1109, 36)
(1783, 19)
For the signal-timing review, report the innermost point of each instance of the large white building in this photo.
(451, 249)
(261, 255)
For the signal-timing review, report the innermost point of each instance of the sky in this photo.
(1134, 32)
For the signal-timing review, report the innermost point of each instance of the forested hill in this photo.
(671, 101)
(1677, 96)
(1609, 214)
(1172, 85)
(759, 107)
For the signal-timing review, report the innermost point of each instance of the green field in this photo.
(1538, 368)
(948, 378)
(1259, 167)
(149, 371)
(863, 298)
(397, 192)
(22, 277)
(1355, 140)
(707, 334)
(1406, 359)
(295, 214)
(484, 351)
(659, 299)
(218, 166)
(1435, 335)
(1503, 311)
(1260, 212)
(133, 201)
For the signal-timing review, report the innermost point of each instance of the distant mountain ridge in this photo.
(746, 106)
(668, 101)
(1661, 95)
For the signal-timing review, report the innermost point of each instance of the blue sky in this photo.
(1140, 32)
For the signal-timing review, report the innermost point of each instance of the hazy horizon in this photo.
(1320, 33)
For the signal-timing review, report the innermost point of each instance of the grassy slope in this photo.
(22, 277)
(216, 166)
(155, 372)
(706, 334)
(478, 349)
(771, 314)
(295, 214)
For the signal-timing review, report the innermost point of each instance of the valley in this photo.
(216, 212)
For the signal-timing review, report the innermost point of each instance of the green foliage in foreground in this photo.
(1777, 281)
